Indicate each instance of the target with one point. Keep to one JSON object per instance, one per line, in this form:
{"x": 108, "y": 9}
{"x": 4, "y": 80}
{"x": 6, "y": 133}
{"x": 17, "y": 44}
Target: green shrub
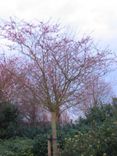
{"x": 16, "y": 147}
{"x": 97, "y": 135}
{"x": 40, "y": 145}
{"x": 9, "y": 118}
{"x": 95, "y": 143}
{"x": 31, "y": 131}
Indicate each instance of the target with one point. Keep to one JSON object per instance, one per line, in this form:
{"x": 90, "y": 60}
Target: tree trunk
{"x": 54, "y": 133}
{"x": 49, "y": 146}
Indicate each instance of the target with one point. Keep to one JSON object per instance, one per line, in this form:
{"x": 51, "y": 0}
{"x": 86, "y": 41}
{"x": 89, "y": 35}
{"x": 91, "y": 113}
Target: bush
{"x": 16, "y": 147}
{"x": 95, "y": 117}
{"x": 95, "y": 143}
{"x": 9, "y": 117}
{"x": 31, "y": 131}
{"x": 40, "y": 145}
{"x": 97, "y": 135}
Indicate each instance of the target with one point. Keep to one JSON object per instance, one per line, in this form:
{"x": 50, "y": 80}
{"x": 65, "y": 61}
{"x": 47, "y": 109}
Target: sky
{"x": 98, "y": 17}
{"x": 95, "y": 17}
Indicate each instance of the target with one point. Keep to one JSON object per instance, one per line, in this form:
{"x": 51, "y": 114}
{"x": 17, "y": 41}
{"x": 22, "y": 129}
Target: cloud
{"x": 97, "y": 16}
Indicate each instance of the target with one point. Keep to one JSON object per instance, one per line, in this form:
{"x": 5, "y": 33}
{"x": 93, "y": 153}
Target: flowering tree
{"x": 60, "y": 64}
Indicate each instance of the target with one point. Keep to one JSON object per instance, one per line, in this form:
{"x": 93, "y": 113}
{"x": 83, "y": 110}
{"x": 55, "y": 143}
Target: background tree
{"x": 60, "y": 64}
{"x": 96, "y": 91}
{"x": 27, "y": 101}
{"x": 7, "y": 81}
{"x": 9, "y": 118}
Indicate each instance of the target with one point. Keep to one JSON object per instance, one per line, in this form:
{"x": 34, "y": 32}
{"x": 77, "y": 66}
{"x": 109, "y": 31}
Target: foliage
{"x": 9, "y": 117}
{"x": 32, "y": 131}
{"x": 16, "y": 147}
{"x": 40, "y": 145}
{"x": 66, "y": 131}
{"x": 97, "y": 134}
{"x": 93, "y": 135}
{"x": 95, "y": 117}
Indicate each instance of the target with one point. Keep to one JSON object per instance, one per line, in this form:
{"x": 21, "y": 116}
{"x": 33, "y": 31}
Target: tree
{"x": 14, "y": 87}
{"x": 28, "y": 104}
{"x": 7, "y": 80}
{"x": 9, "y": 118}
{"x": 60, "y": 64}
{"x": 96, "y": 91}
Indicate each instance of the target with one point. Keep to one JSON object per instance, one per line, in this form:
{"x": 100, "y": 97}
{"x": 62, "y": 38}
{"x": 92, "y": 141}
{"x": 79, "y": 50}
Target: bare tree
{"x": 96, "y": 91}
{"x": 61, "y": 64}
{"x": 27, "y": 103}
{"x": 21, "y": 90}
{"x": 7, "y": 80}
